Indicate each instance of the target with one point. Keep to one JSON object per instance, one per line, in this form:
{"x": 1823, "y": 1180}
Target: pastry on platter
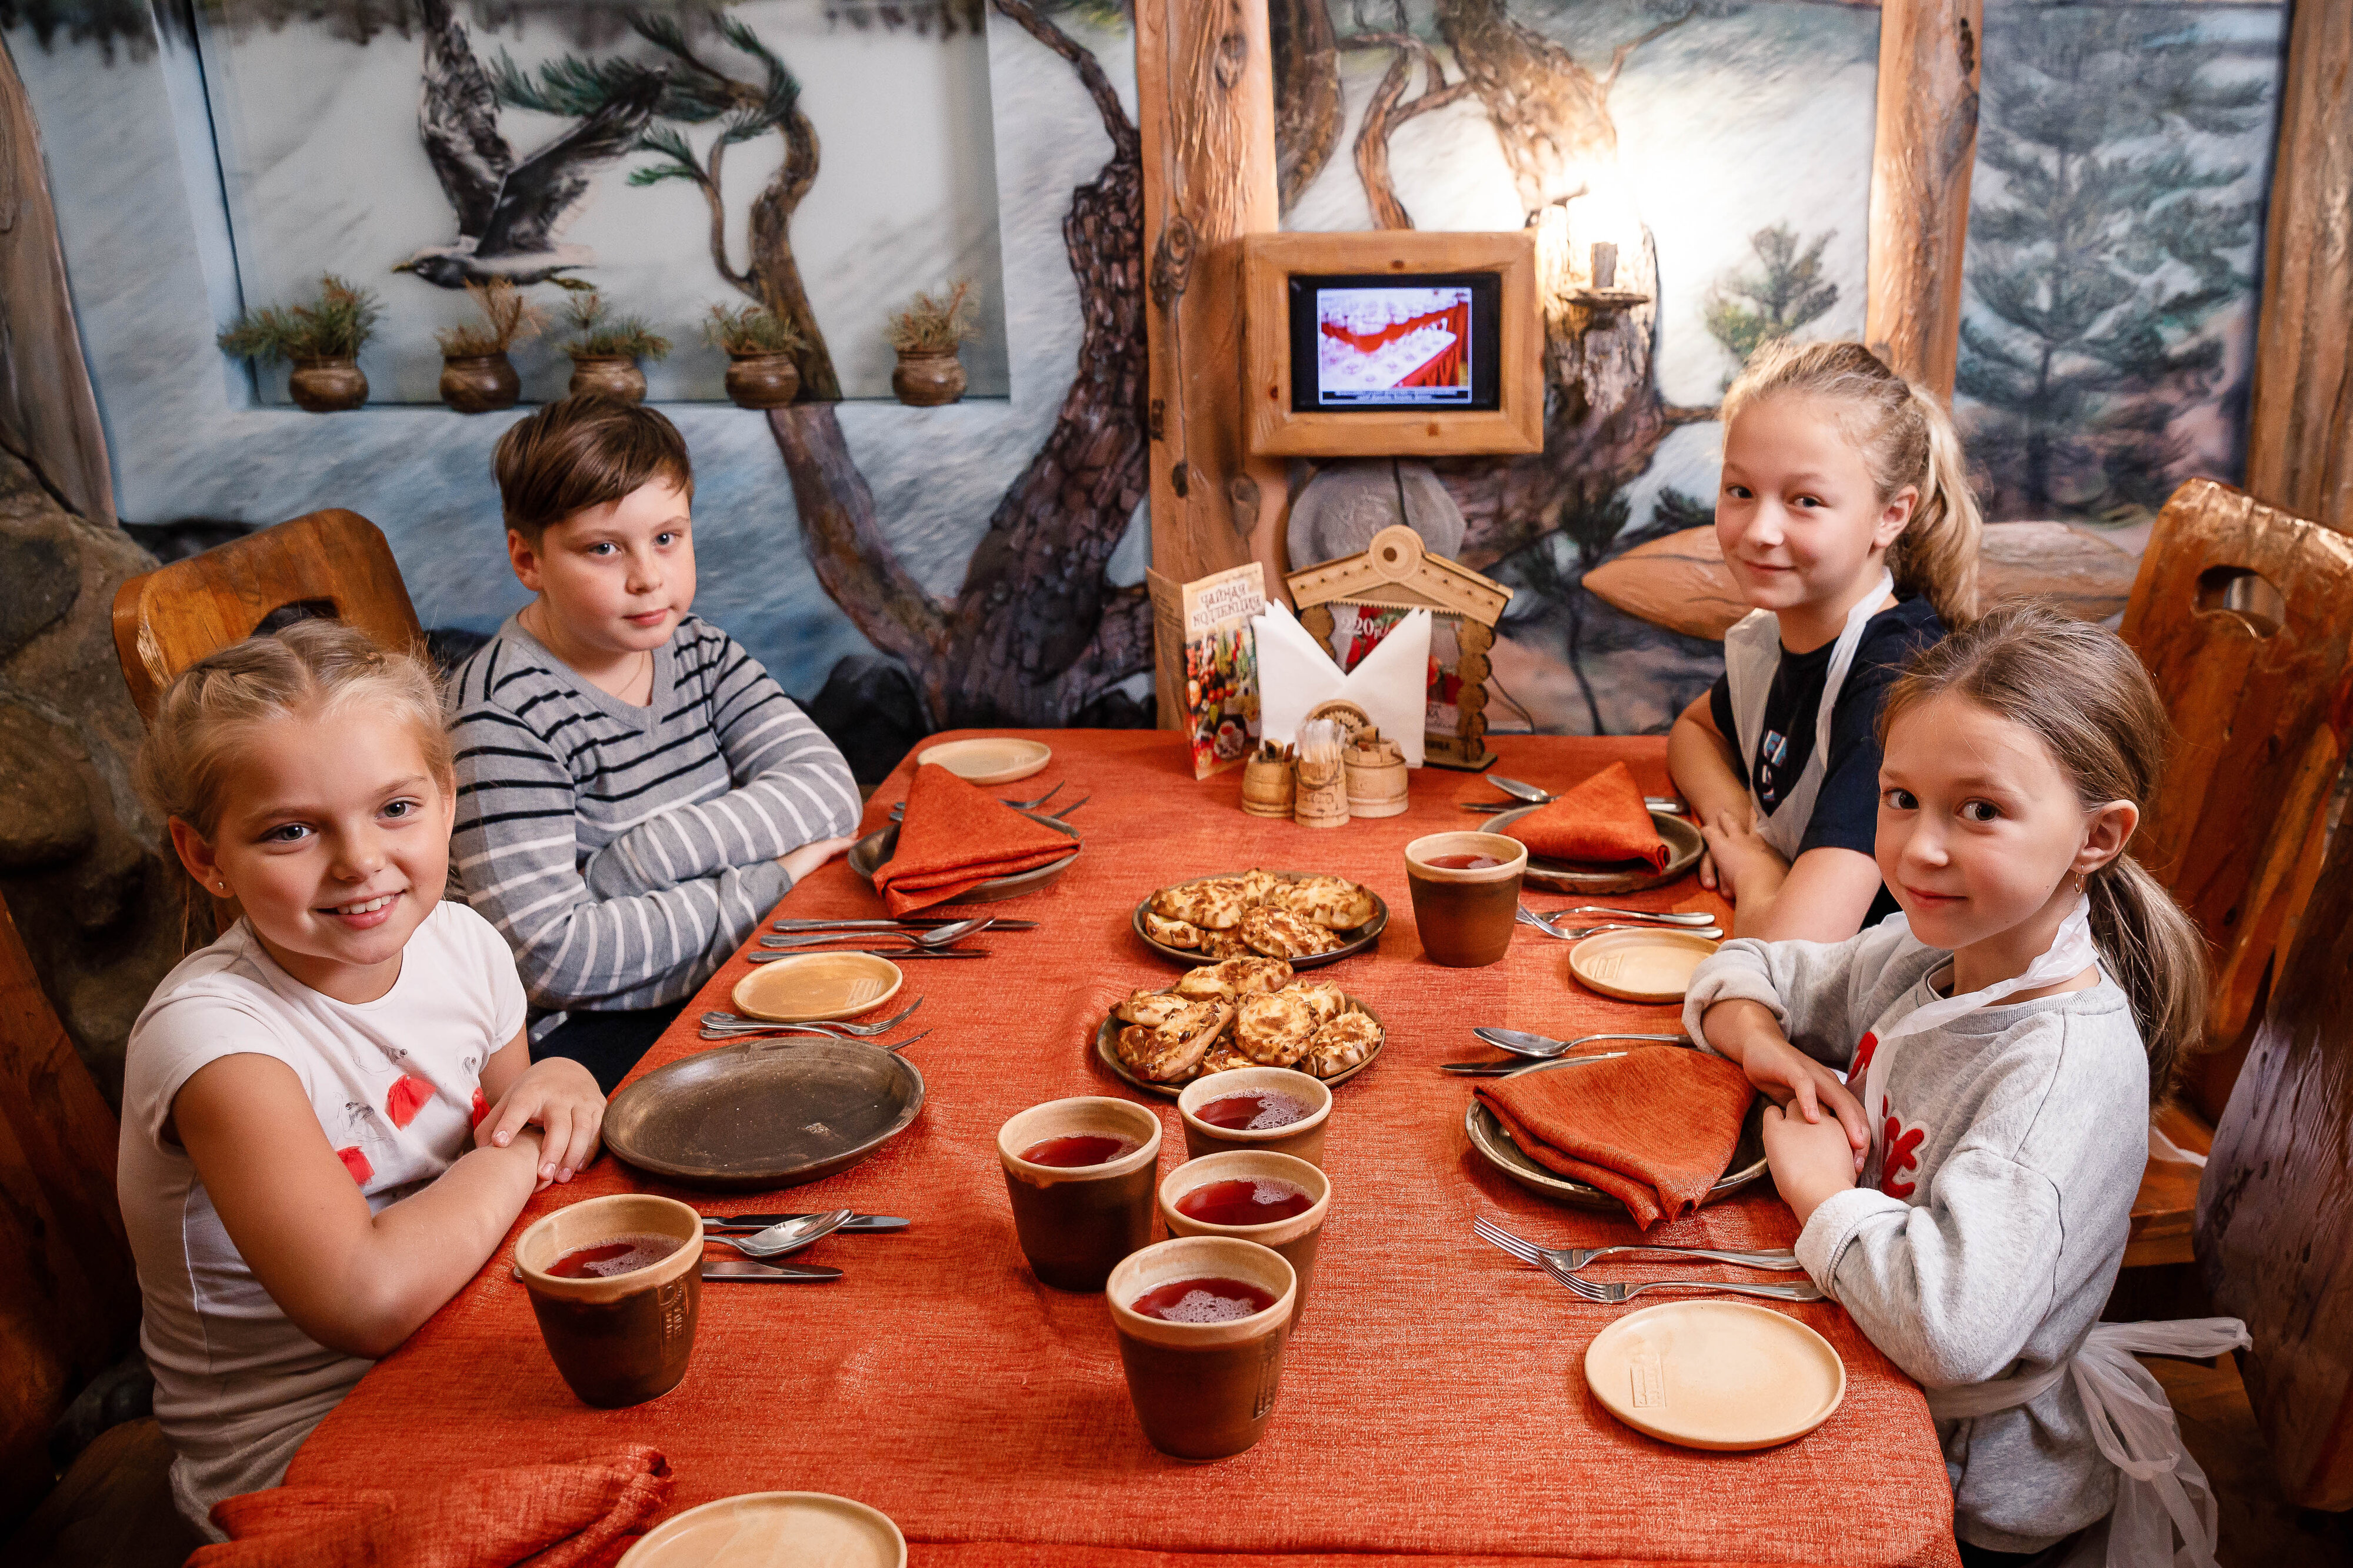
{"x": 1261, "y": 888}
{"x": 1213, "y": 1020}
{"x": 1323, "y": 998}
{"x": 1216, "y": 904}
{"x": 1224, "y": 944}
{"x": 1223, "y": 1058}
{"x": 1171, "y": 933}
{"x": 1206, "y": 983}
{"x": 1280, "y": 934}
{"x": 1333, "y": 902}
{"x": 1340, "y": 1045}
{"x": 1253, "y": 975}
{"x": 1174, "y": 1050}
{"x": 1274, "y": 1030}
{"x": 1210, "y": 917}
{"x": 1152, "y": 1008}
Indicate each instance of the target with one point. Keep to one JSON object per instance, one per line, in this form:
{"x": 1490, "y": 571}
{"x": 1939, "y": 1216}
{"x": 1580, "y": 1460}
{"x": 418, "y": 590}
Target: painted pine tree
{"x": 1745, "y": 311}
{"x": 2101, "y": 257}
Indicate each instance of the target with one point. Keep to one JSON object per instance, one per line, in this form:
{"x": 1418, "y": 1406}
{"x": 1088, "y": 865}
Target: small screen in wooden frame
{"x": 1374, "y": 342}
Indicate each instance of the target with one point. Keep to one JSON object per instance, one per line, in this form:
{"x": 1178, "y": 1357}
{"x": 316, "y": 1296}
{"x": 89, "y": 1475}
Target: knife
{"x": 771, "y": 1273}
{"x": 763, "y": 1220}
{"x": 910, "y": 923}
{"x": 1506, "y": 1070}
{"x": 893, "y": 953}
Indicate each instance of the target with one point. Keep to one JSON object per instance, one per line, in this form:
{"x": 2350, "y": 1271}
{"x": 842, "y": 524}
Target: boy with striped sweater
{"x": 634, "y": 792}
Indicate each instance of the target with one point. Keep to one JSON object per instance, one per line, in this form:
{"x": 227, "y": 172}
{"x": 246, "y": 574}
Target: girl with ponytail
{"x": 1845, "y": 517}
{"x": 1988, "y": 1059}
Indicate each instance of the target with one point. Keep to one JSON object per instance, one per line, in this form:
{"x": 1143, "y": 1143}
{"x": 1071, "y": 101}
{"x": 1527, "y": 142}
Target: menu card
{"x": 1221, "y": 666}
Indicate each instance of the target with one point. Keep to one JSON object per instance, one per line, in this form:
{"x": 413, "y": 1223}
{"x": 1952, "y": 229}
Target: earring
{"x": 2079, "y": 881}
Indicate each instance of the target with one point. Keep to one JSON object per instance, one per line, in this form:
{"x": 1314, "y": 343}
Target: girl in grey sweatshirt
{"x": 1965, "y": 1189}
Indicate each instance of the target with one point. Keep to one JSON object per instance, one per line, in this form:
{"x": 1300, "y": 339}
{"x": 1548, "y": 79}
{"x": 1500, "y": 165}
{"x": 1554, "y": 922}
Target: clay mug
{"x": 1075, "y": 1222}
{"x": 1465, "y": 916}
{"x": 622, "y": 1339}
{"x": 1302, "y": 1138}
{"x": 1296, "y": 1237}
{"x": 1203, "y": 1390}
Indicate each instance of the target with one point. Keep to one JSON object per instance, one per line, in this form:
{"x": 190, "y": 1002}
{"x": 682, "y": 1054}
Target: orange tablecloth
{"x": 1434, "y": 1407}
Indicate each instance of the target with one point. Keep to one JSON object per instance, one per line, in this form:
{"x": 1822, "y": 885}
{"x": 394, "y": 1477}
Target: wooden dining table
{"x": 1435, "y": 1405}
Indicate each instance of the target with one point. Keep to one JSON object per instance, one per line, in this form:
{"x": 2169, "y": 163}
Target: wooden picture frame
{"x": 1397, "y": 573}
{"x": 1275, "y": 429}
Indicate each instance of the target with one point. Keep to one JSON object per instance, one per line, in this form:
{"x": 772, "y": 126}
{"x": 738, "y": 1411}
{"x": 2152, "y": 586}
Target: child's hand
{"x": 1803, "y": 1088}
{"x": 812, "y": 855}
{"x": 1746, "y": 866}
{"x": 1811, "y": 1159}
{"x": 559, "y": 1096}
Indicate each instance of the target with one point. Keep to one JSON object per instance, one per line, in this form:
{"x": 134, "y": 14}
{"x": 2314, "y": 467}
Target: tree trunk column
{"x": 1205, "y": 100}
{"x": 2297, "y": 441}
{"x": 1929, "y": 52}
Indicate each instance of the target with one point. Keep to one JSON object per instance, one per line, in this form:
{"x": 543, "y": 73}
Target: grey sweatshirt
{"x": 2017, "y": 1136}
{"x": 626, "y": 852}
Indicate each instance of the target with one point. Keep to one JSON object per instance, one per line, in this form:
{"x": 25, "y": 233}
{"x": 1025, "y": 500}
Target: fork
{"x": 1616, "y": 1293}
{"x": 939, "y": 936}
{"x": 899, "y": 808}
{"x": 716, "y": 1020}
{"x": 1573, "y": 1258}
{"x": 782, "y": 1035}
{"x": 1579, "y": 934}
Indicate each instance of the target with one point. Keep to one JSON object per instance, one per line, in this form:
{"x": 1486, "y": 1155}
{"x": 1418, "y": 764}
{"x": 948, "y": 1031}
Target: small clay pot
{"x": 477, "y": 383}
{"x": 622, "y": 1339}
{"x": 1076, "y": 1222}
{"x": 612, "y": 374}
{"x": 328, "y": 385}
{"x": 762, "y": 379}
{"x": 928, "y": 380}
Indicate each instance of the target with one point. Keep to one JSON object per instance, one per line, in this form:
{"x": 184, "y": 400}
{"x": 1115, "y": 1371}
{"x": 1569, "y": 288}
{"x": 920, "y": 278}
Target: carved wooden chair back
{"x": 68, "y": 1294}
{"x": 2240, "y": 613}
{"x": 332, "y": 564}
{"x": 2274, "y": 1220}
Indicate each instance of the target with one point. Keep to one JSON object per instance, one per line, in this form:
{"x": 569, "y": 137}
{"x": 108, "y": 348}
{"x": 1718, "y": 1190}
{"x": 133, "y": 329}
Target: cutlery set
{"x": 915, "y": 937}
{"x": 718, "y": 1026}
{"x": 1564, "y": 1266}
{"x": 1697, "y": 924}
{"x": 899, "y": 808}
{"x": 762, "y": 1238}
{"x": 1529, "y": 795}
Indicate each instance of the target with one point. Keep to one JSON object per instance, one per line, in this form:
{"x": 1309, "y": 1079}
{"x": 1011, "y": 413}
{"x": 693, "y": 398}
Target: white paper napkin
{"x": 1295, "y": 672}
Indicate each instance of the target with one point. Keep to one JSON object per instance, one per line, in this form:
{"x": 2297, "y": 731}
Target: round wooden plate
{"x": 1496, "y": 1146}
{"x": 1723, "y": 1375}
{"x": 808, "y": 986}
{"x": 871, "y": 853}
{"x": 1110, "y": 1027}
{"x": 1650, "y": 965}
{"x": 773, "y": 1529}
{"x": 1685, "y": 846}
{"x": 988, "y": 759}
{"x": 1365, "y": 935}
{"x": 763, "y": 1113}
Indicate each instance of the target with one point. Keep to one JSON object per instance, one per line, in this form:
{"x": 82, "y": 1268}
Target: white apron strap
{"x": 1752, "y": 652}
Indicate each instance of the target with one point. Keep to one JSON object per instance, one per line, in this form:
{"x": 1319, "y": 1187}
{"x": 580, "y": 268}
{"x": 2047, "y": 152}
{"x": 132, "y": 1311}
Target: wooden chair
{"x": 2274, "y": 1220}
{"x": 332, "y": 562}
{"x": 68, "y": 1294}
{"x": 2241, "y": 614}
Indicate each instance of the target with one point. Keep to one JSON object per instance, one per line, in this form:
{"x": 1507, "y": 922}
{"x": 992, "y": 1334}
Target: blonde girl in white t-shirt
{"x": 330, "y": 1118}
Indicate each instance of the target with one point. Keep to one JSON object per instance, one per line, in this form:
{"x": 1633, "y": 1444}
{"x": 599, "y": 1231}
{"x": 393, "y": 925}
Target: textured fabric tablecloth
{"x": 1435, "y": 1406}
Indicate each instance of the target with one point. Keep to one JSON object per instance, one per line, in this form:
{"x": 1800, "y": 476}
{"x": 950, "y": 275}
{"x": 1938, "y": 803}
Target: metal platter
{"x": 1361, "y": 936}
{"x": 871, "y": 853}
{"x": 1685, "y": 846}
{"x": 1110, "y": 1027}
{"x": 763, "y": 1113}
{"x": 1496, "y": 1146}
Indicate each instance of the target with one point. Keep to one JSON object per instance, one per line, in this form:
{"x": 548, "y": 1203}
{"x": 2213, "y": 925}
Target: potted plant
{"x": 476, "y": 374}
{"x": 606, "y": 353}
{"x": 322, "y": 338}
{"x": 926, "y": 335}
{"x": 759, "y": 345}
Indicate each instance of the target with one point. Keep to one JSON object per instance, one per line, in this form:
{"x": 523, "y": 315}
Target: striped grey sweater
{"x": 625, "y": 852}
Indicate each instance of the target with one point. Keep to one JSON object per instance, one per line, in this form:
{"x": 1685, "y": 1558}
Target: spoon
{"x": 1578, "y": 933}
{"x": 1528, "y": 1044}
{"x": 1663, "y": 917}
{"x": 790, "y": 1236}
{"x": 1521, "y": 790}
{"x": 938, "y": 937}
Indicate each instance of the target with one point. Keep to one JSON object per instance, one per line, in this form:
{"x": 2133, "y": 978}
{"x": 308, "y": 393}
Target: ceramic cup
{"x": 1203, "y": 1390}
{"x": 624, "y": 1339}
{"x": 1302, "y": 1138}
{"x": 1465, "y": 917}
{"x": 1296, "y": 1237}
{"x": 1076, "y": 1221}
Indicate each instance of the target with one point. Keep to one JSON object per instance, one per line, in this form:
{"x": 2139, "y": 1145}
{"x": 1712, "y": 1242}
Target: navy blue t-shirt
{"x": 1846, "y": 808}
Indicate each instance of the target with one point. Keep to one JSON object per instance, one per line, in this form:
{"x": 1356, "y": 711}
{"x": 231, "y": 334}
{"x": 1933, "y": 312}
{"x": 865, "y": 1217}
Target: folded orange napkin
{"x": 1654, "y": 1127}
{"x": 956, "y": 836}
{"x": 579, "y": 1515}
{"x": 1601, "y": 819}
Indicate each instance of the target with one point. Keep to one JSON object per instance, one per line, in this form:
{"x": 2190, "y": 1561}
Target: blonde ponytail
{"x": 2082, "y": 691}
{"x": 1905, "y": 438}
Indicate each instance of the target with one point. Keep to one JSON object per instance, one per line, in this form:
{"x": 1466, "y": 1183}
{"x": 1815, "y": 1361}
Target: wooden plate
{"x": 1495, "y": 1145}
{"x": 809, "y": 986}
{"x": 773, "y": 1529}
{"x": 1365, "y": 935}
{"x": 989, "y": 760}
{"x": 871, "y": 853}
{"x": 1685, "y": 846}
{"x": 763, "y": 1113}
{"x": 1110, "y": 1027}
{"x": 1652, "y": 966}
{"x": 1715, "y": 1374}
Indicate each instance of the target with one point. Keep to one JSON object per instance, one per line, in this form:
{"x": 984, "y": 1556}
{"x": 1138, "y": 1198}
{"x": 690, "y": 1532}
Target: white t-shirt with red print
{"x": 397, "y": 1084}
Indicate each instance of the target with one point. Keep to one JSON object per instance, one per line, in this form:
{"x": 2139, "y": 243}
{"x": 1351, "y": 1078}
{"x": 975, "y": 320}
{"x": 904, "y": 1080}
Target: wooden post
{"x": 2299, "y": 457}
{"x": 1921, "y": 161}
{"x": 1204, "y": 101}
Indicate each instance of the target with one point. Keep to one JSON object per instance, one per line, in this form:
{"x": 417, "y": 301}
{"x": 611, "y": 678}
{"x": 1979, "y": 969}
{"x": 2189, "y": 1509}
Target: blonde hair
{"x": 2086, "y": 696}
{"x": 1905, "y": 438}
{"x": 309, "y": 669}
